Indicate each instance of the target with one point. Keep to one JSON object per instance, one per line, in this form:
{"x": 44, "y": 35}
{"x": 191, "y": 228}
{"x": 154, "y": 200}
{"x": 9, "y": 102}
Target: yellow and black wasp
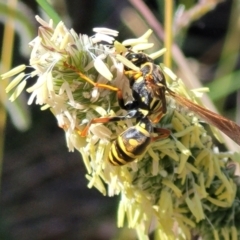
{"x": 149, "y": 91}
{"x": 155, "y": 83}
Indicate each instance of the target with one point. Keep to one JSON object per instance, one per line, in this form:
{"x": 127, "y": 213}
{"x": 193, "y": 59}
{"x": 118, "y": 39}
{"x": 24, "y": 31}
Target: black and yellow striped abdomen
{"x": 131, "y": 143}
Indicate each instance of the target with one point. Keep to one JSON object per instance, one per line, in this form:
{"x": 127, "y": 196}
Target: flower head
{"x": 180, "y": 183}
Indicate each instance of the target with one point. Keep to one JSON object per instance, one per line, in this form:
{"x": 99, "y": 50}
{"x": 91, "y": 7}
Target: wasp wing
{"x": 230, "y": 128}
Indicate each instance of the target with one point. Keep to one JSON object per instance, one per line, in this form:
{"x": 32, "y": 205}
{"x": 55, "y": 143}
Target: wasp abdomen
{"x": 131, "y": 144}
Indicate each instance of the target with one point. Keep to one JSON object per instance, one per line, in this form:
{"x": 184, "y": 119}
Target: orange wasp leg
{"x": 158, "y": 118}
{"x": 84, "y": 132}
{"x": 87, "y": 79}
{"x": 162, "y": 133}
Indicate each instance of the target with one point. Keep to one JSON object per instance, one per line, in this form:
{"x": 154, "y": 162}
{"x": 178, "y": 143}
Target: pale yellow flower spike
{"x": 180, "y": 183}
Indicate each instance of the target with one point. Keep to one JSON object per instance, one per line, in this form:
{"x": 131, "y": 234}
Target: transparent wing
{"x": 230, "y": 128}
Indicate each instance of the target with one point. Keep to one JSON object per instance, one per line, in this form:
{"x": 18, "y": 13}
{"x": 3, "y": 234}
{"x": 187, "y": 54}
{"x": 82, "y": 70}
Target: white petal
{"x": 198, "y": 92}
{"x": 18, "y": 90}
{"x": 89, "y": 66}
{"x": 43, "y": 23}
{"x": 14, "y": 71}
{"x": 95, "y": 93}
{"x": 34, "y": 73}
{"x": 158, "y": 53}
{"x": 127, "y": 63}
{"x": 103, "y": 37}
{"x": 169, "y": 72}
{"x": 77, "y": 141}
{"x": 133, "y": 41}
{"x": 107, "y": 31}
{"x": 44, "y": 107}
{"x": 41, "y": 80}
{"x": 31, "y": 98}
{"x": 147, "y": 34}
{"x": 142, "y": 46}
{"x": 57, "y": 31}
{"x": 101, "y": 131}
{"x": 15, "y": 82}
{"x": 77, "y": 105}
{"x": 65, "y": 41}
{"x": 119, "y": 47}
{"x": 68, "y": 91}
{"x": 42, "y": 94}
{"x": 100, "y": 110}
{"x": 102, "y": 68}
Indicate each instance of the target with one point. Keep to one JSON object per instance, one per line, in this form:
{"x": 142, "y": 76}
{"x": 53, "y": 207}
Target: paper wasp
{"x": 149, "y": 91}
{"x": 152, "y": 77}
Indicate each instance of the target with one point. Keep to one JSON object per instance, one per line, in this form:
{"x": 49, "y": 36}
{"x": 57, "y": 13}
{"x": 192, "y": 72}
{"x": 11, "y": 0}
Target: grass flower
{"x": 181, "y": 185}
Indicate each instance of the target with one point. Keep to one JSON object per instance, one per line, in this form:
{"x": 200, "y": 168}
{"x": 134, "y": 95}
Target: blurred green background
{"x": 43, "y": 188}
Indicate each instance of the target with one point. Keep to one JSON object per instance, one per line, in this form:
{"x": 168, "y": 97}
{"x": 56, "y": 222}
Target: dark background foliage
{"x": 44, "y": 193}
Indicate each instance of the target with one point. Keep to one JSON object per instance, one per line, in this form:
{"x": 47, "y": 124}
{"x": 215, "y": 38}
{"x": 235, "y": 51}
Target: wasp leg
{"x": 105, "y": 86}
{"x": 131, "y": 114}
{"x": 158, "y": 117}
{"x": 161, "y": 133}
{"x": 133, "y": 74}
{"x": 128, "y": 106}
{"x": 87, "y": 79}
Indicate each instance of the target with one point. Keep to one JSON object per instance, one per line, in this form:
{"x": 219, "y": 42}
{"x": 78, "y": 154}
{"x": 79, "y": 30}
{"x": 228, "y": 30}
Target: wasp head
{"x": 138, "y": 58}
